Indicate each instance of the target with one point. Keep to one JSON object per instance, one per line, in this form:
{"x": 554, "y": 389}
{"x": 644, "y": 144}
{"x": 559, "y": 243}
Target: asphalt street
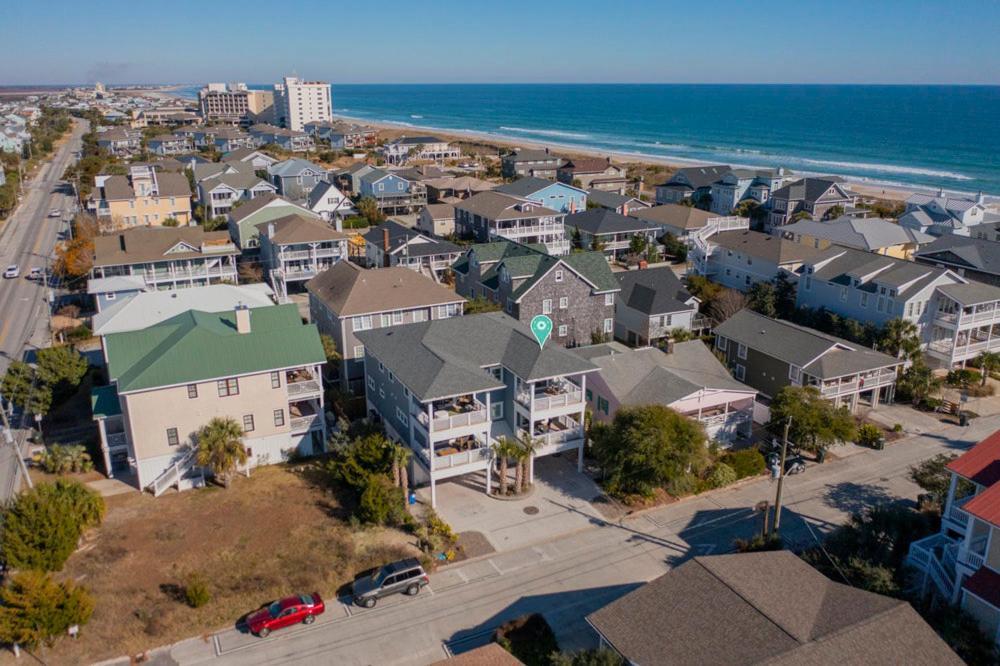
{"x": 568, "y": 577}
{"x": 27, "y": 239}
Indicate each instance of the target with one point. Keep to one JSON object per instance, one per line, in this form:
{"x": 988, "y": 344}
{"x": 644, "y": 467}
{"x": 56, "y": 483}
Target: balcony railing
{"x": 445, "y": 420}
{"x": 309, "y": 254}
{"x": 723, "y": 419}
{"x": 161, "y": 274}
{"x": 957, "y": 514}
{"x": 881, "y": 379}
{"x": 305, "y": 388}
{"x": 560, "y": 436}
{"x": 531, "y": 230}
{"x": 967, "y": 317}
{"x": 117, "y": 439}
{"x": 560, "y": 396}
{"x": 963, "y": 349}
{"x": 306, "y": 423}
{"x": 447, "y": 461}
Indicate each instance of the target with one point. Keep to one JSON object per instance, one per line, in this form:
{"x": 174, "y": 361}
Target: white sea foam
{"x": 568, "y": 135}
{"x": 414, "y": 115}
{"x": 888, "y": 168}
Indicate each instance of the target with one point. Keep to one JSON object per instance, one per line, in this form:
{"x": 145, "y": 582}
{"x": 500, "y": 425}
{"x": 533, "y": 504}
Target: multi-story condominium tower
{"x": 298, "y": 102}
{"x": 235, "y": 103}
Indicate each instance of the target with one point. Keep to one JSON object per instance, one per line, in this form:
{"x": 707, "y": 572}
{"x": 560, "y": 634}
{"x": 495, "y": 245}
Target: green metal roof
{"x": 104, "y": 401}
{"x": 198, "y": 346}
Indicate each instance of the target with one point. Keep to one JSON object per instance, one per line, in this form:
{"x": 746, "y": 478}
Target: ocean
{"x": 915, "y": 136}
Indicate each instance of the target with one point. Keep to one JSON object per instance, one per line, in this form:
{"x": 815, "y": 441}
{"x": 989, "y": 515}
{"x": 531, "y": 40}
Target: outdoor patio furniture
{"x": 445, "y": 451}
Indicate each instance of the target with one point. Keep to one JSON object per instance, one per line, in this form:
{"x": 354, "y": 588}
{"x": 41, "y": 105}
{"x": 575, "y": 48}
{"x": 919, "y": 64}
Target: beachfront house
{"x": 692, "y": 183}
{"x": 593, "y": 173}
{"x": 449, "y": 388}
{"x": 942, "y": 214}
{"x": 739, "y": 185}
{"x": 410, "y": 148}
{"x": 809, "y": 198}
{"x": 527, "y": 162}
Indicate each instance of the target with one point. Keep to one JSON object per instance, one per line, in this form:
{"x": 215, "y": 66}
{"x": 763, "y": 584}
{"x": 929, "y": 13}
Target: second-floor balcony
{"x": 459, "y": 452}
{"x": 965, "y": 345}
{"x": 550, "y": 395}
{"x": 521, "y": 230}
{"x": 453, "y": 413}
{"x": 303, "y": 383}
{"x": 167, "y": 274}
{"x": 864, "y": 382}
{"x": 288, "y": 255}
{"x": 979, "y": 314}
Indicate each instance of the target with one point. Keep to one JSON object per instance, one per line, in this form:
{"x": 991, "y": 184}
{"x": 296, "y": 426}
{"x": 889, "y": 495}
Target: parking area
{"x": 561, "y": 503}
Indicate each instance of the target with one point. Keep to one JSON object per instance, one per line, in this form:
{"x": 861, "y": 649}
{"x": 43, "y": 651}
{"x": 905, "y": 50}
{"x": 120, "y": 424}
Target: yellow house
{"x": 146, "y": 197}
{"x": 872, "y": 234}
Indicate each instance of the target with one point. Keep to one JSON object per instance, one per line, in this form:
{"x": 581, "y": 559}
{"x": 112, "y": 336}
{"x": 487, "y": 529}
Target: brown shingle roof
{"x": 346, "y": 289}
{"x": 674, "y": 215}
{"x": 765, "y": 246}
{"x": 144, "y": 244}
{"x": 496, "y": 206}
{"x": 299, "y": 229}
{"x": 118, "y": 188}
{"x": 586, "y": 165}
{"x": 768, "y": 607}
{"x": 490, "y": 654}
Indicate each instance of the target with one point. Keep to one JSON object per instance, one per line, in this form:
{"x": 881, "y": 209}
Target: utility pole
{"x": 781, "y": 480}
{"x": 8, "y": 436}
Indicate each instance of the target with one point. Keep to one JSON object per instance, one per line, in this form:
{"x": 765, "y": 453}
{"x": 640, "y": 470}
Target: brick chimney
{"x": 242, "y": 319}
{"x": 385, "y": 246}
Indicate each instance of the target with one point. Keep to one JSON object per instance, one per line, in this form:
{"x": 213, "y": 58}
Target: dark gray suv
{"x": 406, "y": 576}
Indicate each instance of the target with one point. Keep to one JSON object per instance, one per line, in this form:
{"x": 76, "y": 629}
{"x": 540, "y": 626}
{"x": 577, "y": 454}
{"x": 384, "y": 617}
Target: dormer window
{"x": 559, "y": 275}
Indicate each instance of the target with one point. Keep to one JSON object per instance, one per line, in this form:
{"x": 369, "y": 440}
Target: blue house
{"x": 554, "y": 195}
{"x": 393, "y": 193}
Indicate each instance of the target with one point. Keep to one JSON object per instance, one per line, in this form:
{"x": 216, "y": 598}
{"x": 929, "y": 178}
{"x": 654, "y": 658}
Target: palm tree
{"x": 526, "y": 445}
{"x": 988, "y": 362}
{"x": 400, "y": 457}
{"x": 220, "y": 448}
{"x": 900, "y": 338}
{"x": 504, "y": 448}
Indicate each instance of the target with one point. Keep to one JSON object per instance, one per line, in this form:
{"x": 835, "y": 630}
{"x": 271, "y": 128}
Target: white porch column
{"x": 951, "y": 494}
{"x": 531, "y": 468}
{"x": 107, "y": 454}
{"x": 433, "y": 490}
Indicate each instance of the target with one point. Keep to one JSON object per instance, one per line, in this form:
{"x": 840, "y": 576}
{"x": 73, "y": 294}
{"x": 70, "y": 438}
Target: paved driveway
{"x": 559, "y": 505}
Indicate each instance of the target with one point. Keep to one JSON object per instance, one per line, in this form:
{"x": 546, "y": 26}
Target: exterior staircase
{"x": 701, "y": 247}
{"x": 172, "y": 475}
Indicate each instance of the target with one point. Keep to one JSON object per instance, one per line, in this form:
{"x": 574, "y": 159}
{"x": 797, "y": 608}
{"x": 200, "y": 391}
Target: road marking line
{"x": 3, "y": 331}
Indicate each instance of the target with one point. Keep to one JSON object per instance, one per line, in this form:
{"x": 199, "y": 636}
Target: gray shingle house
{"x": 763, "y": 608}
{"x": 812, "y": 196}
{"x": 577, "y": 291}
{"x": 690, "y": 183}
{"x": 296, "y": 178}
{"x": 449, "y": 388}
{"x": 529, "y": 162}
{"x": 393, "y": 244}
{"x": 652, "y": 303}
{"x": 769, "y": 354}
{"x": 973, "y": 258}
{"x": 611, "y": 232}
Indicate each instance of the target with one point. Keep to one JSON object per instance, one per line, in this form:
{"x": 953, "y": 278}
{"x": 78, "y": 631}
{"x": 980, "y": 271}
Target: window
{"x": 392, "y": 378}
{"x": 192, "y": 391}
{"x": 590, "y": 395}
{"x": 371, "y": 382}
{"x": 497, "y": 373}
{"x": 863, "y": 300}
{"x": 563, "y": 330}
{"x": 667, "y": 320}
{"x": 361, "y": 323}
{"x": 559, "y": 275}
{"x": 275, "y": 380}
{"x": 110, "y": 296}
{"x": 741, "y": 350}
{"x": 609, "y": 299}
{"x": 397, "y": 317}
{"x": 419, "y": 315}
{"x": 401, "y": 416}
{"x": 843, "y": 294}
{"x": 172, "y": 439}
{"x": 406, "y": 392}
{"x": 795, "y": 373}
{"x": 602, "y": 404}
{"x": 248, "y": 423}
{"x": 563, "y": 303}
{"x": 609, "y": 325}
{"x": 381, "y": 368}
{"x": 228, "y": 387}
{"x": 721, "y": 343}
{"x": 359, "y": 351}
{"x": 279, "y": 418}
{"x": 445, "y": 311}
{"x": 547, "y": 306}
{"x": 809, "y": 283}
{"x": 385, "y": 320}
{"x": 381, "y": 393}
{"x": 909, "y": 309}
{"x": 496, "y": 410}
{"x": 740, "y": 372}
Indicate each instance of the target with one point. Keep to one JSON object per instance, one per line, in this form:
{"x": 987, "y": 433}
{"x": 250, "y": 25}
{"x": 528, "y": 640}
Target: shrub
{"x": 745, "y": 462}
{"x": 722, "y": 475}
{"x": 869, "y": 435}
{"x": 36, "y": 610}
{"x": 69, "y": 459}
{"x": 196, "y": 592}
{"x": 42, "y": 526}
{"x": 897, "y": 427}
{"x": 598, "y": 657}
{"x": 962, "y": 376}
{"x": 759, "y": 543}
{"x": 529, "y": 638}
{"x": 381, "y": 503}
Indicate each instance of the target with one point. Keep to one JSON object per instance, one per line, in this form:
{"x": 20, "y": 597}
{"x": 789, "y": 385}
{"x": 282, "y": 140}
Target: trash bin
{"x": 880, "y": 444}
{"x": 963, "y": 419}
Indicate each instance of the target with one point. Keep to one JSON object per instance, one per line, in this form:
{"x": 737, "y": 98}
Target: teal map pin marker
{"x": 541, "y": 328}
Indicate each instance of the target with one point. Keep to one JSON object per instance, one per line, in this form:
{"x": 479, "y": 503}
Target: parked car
{"x": 55, "y": 212}
{"x": 406, "y": 576}
{"x": 35, "y": 273}
{"x": 300, "y": 608}
{"x": 12, "y": 271}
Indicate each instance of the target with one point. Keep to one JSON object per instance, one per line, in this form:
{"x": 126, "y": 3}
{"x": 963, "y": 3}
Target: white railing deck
{"x": 173, "y": 474}
{"x": 117, "y": 439}
{"x": 543, "y": 401}
{"x": 442, "y": 423}
{"x": 304, "y": 387}
{"x": 305, "y": 423}
{"x": 477, "y": 455}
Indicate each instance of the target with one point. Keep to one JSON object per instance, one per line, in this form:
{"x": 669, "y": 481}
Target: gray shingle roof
{"x": 527, "y": 186}
{"x": 870, "y": 233}
{"x": 765, "y": 246}
{"x": 972, "y": 293}
{"x": 447, "y": 357}
{"x": 700, "y": 176}
{"x": 653, "y": 291}
{"x": 840, "y": 265}
{"x": 399, "y": 235}
{"x": 347, "y": 290}
{"x": 613, "y": 200}
{"x": 495, "y": 205}
{"x": 531, "y": 155}
{"x": 293, "y": 167}
{"x": 769, "y": 607}
{"x": 674, "y": 215}
{"x": 648, "y": 376}
{"x": 821, "y": 355}
{"x": 805, "y": 189}
{"x": 964, "y": 252}
{"x": 599, "y": 221}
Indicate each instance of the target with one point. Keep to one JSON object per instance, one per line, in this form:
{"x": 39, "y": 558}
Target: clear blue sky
{"x": 766, "y": 41}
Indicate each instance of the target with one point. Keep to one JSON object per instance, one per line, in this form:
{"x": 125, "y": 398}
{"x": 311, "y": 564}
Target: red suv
{"x": 288, "y": 611}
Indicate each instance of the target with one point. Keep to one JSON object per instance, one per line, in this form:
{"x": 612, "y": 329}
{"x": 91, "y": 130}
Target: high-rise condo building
{"x": 235, "y": 103}
{"x": 298, "y": 102}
